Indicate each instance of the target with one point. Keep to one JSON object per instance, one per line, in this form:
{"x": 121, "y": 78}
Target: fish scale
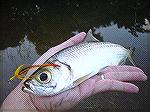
{"x": 83, "y": 48}
{"x": 83, "y": 57}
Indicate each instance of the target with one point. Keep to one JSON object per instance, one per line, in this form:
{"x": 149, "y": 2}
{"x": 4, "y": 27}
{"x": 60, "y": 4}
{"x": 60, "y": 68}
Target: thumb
{"x": 73, "y": 40}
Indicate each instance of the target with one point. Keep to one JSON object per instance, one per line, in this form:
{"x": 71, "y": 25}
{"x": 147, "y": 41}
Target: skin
{"x": 116, "y": 79}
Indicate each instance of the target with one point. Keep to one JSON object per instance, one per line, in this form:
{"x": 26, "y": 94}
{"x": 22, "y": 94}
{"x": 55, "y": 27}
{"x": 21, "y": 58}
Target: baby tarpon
{"x": 75, "y": 64}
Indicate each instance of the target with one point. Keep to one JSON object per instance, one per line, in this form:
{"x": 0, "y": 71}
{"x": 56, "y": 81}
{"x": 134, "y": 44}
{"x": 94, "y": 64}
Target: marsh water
{"x": 30, "y": 27}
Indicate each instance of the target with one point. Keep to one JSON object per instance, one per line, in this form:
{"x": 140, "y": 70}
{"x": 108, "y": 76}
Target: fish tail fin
{"x": 130, "y": 53}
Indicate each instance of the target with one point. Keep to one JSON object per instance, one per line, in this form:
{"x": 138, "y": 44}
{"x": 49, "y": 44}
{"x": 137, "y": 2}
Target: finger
{"x": 122, "y": 68}
{"x": 113, "y": 85}
{"x": 93, "y": 86}
{"x": 126, "y": 76}
{"x": 123, "y": 73}
{"x": 74, "y": 40}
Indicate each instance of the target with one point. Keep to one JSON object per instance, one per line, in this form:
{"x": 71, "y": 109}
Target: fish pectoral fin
{"x": 80, "y": 80}
{"x": 90, "y": 38}
{"x": 77, "y": 82}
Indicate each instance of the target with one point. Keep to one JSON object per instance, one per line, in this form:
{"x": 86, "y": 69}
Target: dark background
{"x": 30, "y": 27}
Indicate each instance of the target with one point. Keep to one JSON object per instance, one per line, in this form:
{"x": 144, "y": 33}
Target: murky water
{"x": 30, "y": 28}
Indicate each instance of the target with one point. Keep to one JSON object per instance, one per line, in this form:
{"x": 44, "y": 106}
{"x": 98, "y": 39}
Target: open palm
{"x": 116, "y": 78}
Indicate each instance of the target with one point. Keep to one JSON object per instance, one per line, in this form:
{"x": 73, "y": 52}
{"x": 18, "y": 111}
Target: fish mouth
{"x": 26, "y": 88}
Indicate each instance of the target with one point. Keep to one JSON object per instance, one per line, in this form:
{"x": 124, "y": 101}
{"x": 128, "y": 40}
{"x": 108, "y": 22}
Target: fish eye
{"x": 45, "y": 77}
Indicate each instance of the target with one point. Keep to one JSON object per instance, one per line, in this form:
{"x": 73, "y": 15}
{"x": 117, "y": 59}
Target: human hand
{"x": 116, "y": 78}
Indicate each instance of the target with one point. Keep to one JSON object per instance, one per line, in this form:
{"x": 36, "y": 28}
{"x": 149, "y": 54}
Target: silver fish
{"x": 75, "y": 65}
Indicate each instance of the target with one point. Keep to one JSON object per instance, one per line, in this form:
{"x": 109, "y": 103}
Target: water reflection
{"x": 10, "y": 59}
{"x": 45, "y": 22}
{"x": 121, "y": 36}
{"x": 28, "y": 28}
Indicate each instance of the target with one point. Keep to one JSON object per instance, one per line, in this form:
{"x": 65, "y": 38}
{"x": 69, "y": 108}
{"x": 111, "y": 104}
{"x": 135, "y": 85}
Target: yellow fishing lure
{"x": 19, "y": 73}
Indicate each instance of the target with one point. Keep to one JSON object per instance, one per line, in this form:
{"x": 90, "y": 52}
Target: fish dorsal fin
{"x": 130, "y": 53}
{"x": 90, "y": 38}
